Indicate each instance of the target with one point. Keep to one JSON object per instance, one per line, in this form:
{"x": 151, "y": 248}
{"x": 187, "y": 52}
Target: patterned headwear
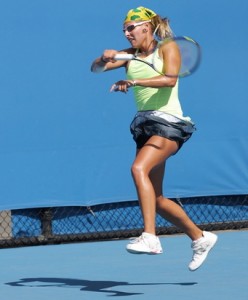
{"x": 139, "y": 14}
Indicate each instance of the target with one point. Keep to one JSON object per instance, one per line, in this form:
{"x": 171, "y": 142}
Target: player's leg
{"x": 170, "y": 210}
{"x": 153, "y": 153}
{"x": 202, "y": 241}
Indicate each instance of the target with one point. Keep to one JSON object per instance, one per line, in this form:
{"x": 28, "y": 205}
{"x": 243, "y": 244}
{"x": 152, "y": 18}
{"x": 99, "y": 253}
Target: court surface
{"x": 104, "y": 270}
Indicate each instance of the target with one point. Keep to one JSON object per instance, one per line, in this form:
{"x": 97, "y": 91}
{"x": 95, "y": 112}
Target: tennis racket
{"x": 190, "y": 52}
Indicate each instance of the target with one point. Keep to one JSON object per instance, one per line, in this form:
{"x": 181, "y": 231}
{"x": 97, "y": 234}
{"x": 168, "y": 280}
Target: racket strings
{"x": 190, "y": 56}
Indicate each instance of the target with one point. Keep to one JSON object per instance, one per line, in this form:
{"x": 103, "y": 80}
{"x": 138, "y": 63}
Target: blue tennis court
{"x": 100, "y": 270}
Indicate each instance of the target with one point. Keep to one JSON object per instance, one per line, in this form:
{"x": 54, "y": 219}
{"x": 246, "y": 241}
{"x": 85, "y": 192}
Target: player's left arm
{"x": 170, "y": 54}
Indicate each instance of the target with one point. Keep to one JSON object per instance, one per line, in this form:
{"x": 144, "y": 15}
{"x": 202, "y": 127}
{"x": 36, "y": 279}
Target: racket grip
{"x": 123, "y": 56}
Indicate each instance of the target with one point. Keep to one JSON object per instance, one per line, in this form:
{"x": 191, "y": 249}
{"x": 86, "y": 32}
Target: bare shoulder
{"x": 168, "y": 47}
{"x": 168, "y": 44}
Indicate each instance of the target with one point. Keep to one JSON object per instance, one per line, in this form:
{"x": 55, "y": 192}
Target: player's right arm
{"x": 107, "y": 62}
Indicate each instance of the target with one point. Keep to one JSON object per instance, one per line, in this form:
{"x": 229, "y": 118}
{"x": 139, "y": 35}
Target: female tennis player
{"x": 159, "y": 127}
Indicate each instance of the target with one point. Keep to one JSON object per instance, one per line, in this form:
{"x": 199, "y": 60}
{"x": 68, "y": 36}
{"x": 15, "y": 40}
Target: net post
{"x": 46, "y": 217}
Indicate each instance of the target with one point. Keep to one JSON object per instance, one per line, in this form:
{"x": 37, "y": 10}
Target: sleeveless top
{"x": 163, "y": 99}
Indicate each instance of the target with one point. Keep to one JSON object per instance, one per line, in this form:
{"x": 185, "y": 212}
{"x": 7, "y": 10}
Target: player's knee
{"x": 137, "y": 171}
{"x": 160, "y": 203}
{"x": 159, "y": 200}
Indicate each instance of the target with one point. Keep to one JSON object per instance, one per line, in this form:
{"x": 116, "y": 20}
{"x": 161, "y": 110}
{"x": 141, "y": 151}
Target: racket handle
{"x": 124, "y": 56}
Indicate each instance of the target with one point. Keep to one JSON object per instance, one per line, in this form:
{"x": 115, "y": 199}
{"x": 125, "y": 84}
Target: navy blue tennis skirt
{"x": 147, "y": 124}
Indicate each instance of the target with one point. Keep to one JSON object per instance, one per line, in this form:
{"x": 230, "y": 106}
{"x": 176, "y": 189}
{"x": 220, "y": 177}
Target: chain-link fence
{"x": 53, "y": 225}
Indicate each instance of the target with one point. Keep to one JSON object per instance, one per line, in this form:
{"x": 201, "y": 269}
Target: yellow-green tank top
{"x": 162, "y": 99}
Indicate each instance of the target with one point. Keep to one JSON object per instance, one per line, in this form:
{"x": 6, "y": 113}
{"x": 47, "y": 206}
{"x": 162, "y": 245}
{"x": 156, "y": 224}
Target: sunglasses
{"x": 131, "y": 27}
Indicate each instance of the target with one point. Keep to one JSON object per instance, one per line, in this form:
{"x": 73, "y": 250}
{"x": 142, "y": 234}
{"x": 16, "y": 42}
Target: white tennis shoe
{"x": 201, "y": 248}
{"x": 146, "y": 243}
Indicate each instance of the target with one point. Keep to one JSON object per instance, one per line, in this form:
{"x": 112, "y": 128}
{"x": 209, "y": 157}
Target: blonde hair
{"x": 161, "y": 28}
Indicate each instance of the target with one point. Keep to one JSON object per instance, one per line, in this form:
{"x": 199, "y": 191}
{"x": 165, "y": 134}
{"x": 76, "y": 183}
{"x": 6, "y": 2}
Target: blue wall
{"x": 64, "y": 139}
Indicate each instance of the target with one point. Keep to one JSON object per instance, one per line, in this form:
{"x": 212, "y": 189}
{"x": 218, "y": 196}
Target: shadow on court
{"x": 88, "y": 285}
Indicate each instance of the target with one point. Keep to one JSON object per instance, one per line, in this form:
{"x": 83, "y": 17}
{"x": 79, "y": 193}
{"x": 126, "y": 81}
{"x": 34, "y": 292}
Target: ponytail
{"x": 161, "y": 28}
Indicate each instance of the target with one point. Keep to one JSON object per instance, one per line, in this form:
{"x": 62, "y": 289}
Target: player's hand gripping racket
{"x": 190, "y": 53}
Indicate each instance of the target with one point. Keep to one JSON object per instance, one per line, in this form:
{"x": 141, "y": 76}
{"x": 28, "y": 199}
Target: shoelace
{"x": 136, "y": 240}
{"x": 199, "y": 249}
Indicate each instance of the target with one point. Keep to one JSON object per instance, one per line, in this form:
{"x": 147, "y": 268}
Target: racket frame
{"x": 127, "y": 57}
